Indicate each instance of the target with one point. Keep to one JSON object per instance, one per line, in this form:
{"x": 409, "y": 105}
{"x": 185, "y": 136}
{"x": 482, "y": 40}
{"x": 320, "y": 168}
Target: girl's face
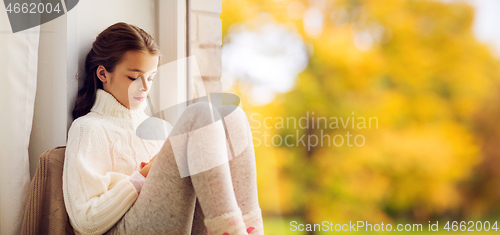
{"x": 132, "y": 78}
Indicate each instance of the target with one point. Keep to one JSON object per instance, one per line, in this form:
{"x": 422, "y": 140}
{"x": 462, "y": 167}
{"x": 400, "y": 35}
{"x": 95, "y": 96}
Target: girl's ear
{"x": 101, "y": 73}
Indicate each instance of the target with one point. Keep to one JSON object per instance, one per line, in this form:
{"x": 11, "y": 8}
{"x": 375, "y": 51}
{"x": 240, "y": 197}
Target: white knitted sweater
{"x": 102, "y": 152}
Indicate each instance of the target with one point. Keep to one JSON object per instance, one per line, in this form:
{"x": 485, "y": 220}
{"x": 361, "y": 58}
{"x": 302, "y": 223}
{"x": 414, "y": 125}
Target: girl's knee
{"x": 202, "y": 112}
{"x": 198, "y": 108}
{"x": 234, "y": 117}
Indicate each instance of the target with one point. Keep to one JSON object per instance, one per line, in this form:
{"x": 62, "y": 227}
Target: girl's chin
{"x": 135, "y": 104}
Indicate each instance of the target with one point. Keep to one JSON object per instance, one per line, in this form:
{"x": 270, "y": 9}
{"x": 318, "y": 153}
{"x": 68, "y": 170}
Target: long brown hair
{"x": 108, "y": 50}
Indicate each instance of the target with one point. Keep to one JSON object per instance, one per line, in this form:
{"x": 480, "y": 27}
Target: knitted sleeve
{"x": 137, "y": 180}
{"x": 95, "y": 200}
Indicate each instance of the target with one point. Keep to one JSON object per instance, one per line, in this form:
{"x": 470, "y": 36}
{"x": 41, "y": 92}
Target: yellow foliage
{"x": 424, "y": 86}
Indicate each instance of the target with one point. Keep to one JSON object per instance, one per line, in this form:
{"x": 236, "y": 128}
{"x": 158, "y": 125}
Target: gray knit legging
{"x": 167, "y": 201}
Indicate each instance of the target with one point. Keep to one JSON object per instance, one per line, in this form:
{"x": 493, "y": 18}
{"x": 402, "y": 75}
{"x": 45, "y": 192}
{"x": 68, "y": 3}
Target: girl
{"x": 108, "y": 191}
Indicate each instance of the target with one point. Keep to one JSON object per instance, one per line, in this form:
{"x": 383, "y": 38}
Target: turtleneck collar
{"x": 106, "y": 104}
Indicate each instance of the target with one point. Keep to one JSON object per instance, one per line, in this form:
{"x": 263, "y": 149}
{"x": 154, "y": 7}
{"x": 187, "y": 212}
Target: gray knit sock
{"x": 226, "y": 224}
{"x": 253, "y": 222}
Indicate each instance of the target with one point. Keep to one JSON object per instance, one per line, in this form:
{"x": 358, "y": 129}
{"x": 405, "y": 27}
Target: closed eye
{"x": 133, "y": 79}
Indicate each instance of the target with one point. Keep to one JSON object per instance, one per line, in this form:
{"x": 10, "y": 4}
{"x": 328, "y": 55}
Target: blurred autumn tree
{"x": 417, "y": 67}
{"x": 482, "y": 190}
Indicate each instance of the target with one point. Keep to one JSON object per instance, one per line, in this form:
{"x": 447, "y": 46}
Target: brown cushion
{"x": 45, "y": 211}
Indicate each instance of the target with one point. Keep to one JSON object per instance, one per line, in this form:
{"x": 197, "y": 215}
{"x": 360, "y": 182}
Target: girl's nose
{"x": 144, "y": 85}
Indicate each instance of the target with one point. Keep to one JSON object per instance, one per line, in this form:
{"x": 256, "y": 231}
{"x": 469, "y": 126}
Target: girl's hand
{"x": 145, "y": 167}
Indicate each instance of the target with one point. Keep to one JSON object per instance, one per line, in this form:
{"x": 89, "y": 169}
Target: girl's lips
{"x": 139, "y": 98}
